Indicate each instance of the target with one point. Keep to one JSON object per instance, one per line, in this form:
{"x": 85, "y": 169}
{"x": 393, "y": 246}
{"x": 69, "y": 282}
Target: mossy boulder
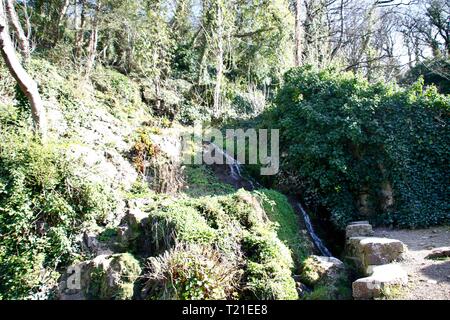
{"x": 103, "y": 278}
{"x": 269, "y": 266}
{"x": 328, "y": 276}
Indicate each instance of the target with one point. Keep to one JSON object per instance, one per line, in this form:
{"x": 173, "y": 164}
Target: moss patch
{"x": 280, "y": 211}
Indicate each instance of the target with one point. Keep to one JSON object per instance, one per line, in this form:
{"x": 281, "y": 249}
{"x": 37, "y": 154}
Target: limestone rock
{"x": 130, "y": 228}
{"x": 359, "y": 229}
{"x": 438, "y": 253}
{"x": 321, "y": 269}
{"x": 380, "y": 283}
{"x": 378, "y": 251}
{"x": 325, "y": 272}
{"x": 92, "y": 244}
{"x": 106, "y": 277}
{"x": 374, "y": 251}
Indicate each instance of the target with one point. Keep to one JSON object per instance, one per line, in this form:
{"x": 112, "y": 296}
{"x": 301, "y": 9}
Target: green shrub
{"x": 236, "y": 226}
{"x": 268, "y": 274}
{"x": 203, "y": 182}
{"x": 191, "y": 272}
{"x": 351, "y": 146}
{"x": 117, "y": 91}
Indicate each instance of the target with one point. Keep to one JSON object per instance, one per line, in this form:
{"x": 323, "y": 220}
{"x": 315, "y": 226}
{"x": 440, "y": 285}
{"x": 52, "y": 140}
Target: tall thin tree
{"x": 22, "y": 39}
{"x": 26, "y": 83}
{"x": 298, "y": 33}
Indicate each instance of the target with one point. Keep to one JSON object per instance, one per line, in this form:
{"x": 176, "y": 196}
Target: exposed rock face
{"x": 93, "y": 245}
{"x": 129, "y": 229}
{"x": 439, "y": 253}
{"x": 382, "y": 280}
{"x": 359, "y": 229}
{"x": 327, "y": 272}
{"x": 165, "y": 171}
{"x": 106, "y": 277}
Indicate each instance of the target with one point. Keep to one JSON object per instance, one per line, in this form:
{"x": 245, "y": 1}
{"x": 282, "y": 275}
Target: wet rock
{"x": 359, "y": 229}
{"x": 439, "y": 253}
{"x": 302, "y": 289}
{"x": 382, "y": 280}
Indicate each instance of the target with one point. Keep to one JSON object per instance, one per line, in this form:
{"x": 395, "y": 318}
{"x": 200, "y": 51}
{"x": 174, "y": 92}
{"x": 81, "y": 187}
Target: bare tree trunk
{"x": 298, "y": 34}
{"x": 27, "y": 17}
{"x": 219, "y": 63}
{"x": 25, "y": 82}
{"x": 202, "y": 62}
{"x": 60, "y": 19}
{"x": 79, "y": 37}
{"x": 22, "y": 40}
{"x": 92, "y": 51}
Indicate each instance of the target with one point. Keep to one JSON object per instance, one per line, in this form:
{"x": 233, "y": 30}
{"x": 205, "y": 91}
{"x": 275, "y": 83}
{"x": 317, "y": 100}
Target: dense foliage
{"x": 217, "y": 247}
{"x": 351, "y": 146}
{"x": 102, "y": 185}
{"x": 43, "y": 204}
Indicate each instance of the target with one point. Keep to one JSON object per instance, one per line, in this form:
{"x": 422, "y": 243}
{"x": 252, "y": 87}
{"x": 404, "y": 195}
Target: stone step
{"x": 382, "y": 280}
{"x": 359, "y": 229}
{"x": 375, "y": 251}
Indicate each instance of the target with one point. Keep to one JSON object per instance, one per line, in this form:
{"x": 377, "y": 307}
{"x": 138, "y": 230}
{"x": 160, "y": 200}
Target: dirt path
{"x": 428, "y": 279}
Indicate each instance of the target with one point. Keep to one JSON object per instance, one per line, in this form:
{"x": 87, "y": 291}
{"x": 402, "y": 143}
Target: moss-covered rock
{"x": 269, "y": 266}
{"x": 103, "y": 278}
{"x": 280, "y": 211}
{"x": 328, "y": 276}
{"x": 236, "y": 226}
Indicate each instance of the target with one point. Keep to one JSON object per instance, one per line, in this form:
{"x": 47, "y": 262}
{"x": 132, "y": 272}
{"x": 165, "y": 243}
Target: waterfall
{"x": 315, "y": 238}
{"x": 234, "y": 166}
{"x": 236, "y": 174}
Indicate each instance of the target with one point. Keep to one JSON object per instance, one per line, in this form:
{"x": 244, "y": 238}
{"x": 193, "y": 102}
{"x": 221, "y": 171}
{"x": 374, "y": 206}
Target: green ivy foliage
{"x": 344, "y": 137}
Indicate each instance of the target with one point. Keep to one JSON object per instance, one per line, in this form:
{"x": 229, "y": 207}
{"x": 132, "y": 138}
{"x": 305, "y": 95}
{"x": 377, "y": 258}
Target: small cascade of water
{"x": 316, "y": 240}
{"x": 234, "y": 165}
{"x": 236, "y": 174}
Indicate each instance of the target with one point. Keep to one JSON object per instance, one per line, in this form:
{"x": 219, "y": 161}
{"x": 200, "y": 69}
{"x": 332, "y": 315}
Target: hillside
{"x": 224, "y": 150}
{"x": 100, "y": 174}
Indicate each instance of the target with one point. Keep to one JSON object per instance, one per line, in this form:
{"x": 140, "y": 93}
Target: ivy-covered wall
{"x": 364, "y": 150}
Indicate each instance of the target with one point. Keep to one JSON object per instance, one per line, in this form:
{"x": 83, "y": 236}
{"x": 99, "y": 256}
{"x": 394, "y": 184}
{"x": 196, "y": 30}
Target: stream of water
{"x": 236, "y": 174}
